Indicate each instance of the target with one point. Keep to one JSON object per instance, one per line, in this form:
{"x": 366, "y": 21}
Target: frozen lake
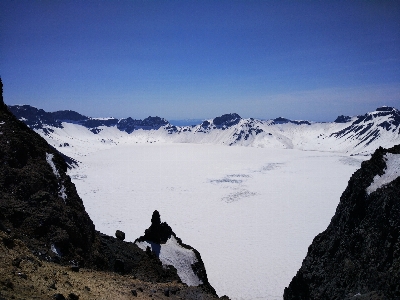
{"x": 250, "y": 212}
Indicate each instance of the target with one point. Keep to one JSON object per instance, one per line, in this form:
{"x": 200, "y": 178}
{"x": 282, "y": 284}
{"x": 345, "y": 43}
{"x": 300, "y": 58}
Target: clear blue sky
{"x": 199, "y": 59}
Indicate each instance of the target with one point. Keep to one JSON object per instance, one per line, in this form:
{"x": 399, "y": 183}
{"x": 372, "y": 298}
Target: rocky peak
{"x": 342, "y": 119}
{"x": 281, "y": 120}
{"x": 160, "y": 241}
{"x": 386, "y": 108}
{"x": 227, "y": 120}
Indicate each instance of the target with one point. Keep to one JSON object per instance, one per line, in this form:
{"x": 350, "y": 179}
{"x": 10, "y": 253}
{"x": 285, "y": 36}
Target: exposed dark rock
{"x": 342, "y": 119}
{"x": 73, "y": 296}
{"x": 38, "y": 118}
{"x": 167, "y": 292}
{"x": 59, "y": 297}
{"x": 119, "y": 265}
{"x": 120, "y": 235}
{"x": 358, "y": 255}
{"x": 75, "y": 268}
{"x": 205, "y": 124}
{"x": 158, "y": 233}
{"x": 281, "y": 120}
{"x": 366, "y": 128}
{"x": 227, "y": 120}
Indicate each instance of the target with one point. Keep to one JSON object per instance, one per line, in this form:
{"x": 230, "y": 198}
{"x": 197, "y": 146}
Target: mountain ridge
{"x": 357, "y": 135}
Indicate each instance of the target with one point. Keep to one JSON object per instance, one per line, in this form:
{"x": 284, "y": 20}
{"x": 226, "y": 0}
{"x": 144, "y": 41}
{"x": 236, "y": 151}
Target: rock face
{"x": 227, "y": 120}
{"x": 160, "y": 241}
{"x": 358, "y": 255}
{"x": 38, "y": 201}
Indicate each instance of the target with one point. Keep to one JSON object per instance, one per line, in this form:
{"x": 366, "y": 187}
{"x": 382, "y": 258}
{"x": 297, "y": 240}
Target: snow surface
{"x": 171, "y": 253}
{"x": 392, "y": 171}
{"x": 55, "y": 250}
{"x": 250, "y": 212}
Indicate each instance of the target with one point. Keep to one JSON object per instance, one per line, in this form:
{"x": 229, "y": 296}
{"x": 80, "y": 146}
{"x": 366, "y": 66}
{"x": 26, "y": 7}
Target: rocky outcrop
{"x": 358, "y": 255}
{"x": 159, "y": 239}
{"x": 342, "y": 119}
{"x": 281, "y": 120}
{"x": 227, "y": 120}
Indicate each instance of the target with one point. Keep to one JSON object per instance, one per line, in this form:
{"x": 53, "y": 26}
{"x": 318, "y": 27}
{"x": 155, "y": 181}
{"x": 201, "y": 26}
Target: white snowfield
{"x": 173, "y": 254}
{"x": 392, "y": 171}
{"x": 251, "y": 210}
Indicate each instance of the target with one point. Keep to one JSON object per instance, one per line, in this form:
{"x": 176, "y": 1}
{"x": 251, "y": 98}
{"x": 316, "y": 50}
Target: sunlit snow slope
{"x": 351, "y": 135}
{"x": 250, "y": 211}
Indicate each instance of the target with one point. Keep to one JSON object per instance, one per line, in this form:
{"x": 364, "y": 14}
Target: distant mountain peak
{"x": 342, "y": 119}
{"x": 386, "y": 108}
{"x": 227, "y": 120}
{"x": 281, "y": 120}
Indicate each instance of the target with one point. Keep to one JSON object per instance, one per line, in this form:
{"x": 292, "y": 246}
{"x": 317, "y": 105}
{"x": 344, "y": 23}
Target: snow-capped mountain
{"x": 352, "y": 135}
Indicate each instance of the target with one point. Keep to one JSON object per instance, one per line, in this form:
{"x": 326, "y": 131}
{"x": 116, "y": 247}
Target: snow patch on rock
{"x": 392, "y": 171}
{"x": 49, "y": 159}
{"x": 62, "y": 191}
{"x": 173, "y": 254}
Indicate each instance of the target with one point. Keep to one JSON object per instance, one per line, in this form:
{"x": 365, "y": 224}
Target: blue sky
{"x": 199, "y": 59}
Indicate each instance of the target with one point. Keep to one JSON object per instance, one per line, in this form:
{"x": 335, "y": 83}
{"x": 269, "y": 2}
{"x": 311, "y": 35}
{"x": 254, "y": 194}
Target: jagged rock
{"x": 358, "y": 255}
{"x": 342, "y": 119}
{"x": 227, "y": 120}
{"x": 120, "y": 235}
{"x": 157, "y": 235}
{"x": 281, "y": 120}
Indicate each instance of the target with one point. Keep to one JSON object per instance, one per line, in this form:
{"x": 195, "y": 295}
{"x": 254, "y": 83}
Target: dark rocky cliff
{"x": 358, "y": 255}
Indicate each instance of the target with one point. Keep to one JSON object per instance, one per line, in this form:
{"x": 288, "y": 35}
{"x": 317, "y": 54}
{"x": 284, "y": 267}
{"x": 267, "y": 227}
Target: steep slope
{"x": 41, "y": 210}
{"x": 358, "y": 255}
